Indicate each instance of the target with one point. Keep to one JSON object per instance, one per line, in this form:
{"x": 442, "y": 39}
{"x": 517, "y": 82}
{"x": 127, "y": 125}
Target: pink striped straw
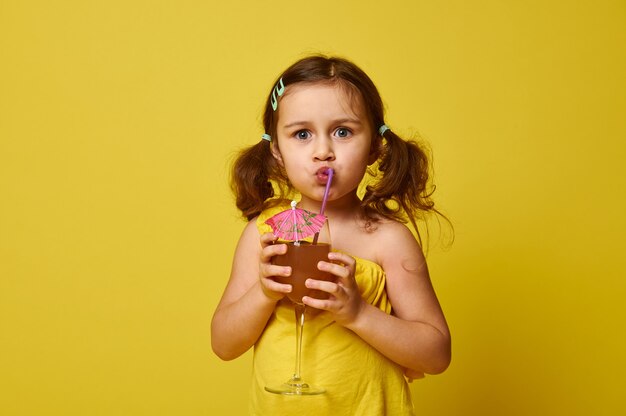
{"x": 330, "y": 172}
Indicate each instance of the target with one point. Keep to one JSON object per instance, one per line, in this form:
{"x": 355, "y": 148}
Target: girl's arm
{"x": 250, "y": 295}
{"x": 416, "y": 336}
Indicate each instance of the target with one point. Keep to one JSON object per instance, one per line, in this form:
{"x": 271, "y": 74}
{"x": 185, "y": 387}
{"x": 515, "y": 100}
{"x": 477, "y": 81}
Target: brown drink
{"x": 303, "y": 260}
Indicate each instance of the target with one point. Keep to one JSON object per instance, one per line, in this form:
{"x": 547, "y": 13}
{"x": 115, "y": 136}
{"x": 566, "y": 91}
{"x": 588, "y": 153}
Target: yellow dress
{"x": 357, "y": 378}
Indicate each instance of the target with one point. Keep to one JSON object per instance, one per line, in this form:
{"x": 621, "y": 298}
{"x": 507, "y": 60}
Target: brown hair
{"x": 401, "y": 188}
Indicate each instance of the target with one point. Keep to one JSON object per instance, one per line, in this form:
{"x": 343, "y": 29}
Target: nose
{"x": 324, "y": 149}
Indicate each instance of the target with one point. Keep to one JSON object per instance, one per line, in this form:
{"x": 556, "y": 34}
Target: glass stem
{"x": 299, "y": 309}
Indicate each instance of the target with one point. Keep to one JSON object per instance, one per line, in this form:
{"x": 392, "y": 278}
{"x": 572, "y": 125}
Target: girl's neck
{"x": 345, "y": 207}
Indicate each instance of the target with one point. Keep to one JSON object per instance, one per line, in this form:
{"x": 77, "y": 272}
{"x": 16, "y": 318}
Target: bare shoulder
{"x": 249, "y": 240}
{"x": 395, "y": 241}
{"x": 401, "y": 257}
{"x": 251, "y": 229}
{"x": 381, "y": 242}
{"x": 386, "y": 228}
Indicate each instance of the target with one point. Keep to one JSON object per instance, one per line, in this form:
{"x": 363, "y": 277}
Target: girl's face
{"x": 321, "y": 126}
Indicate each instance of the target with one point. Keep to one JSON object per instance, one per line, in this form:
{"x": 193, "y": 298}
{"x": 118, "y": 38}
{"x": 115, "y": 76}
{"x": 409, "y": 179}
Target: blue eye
{"x": 303, "y": 134}
{"x": 342, "y": 132}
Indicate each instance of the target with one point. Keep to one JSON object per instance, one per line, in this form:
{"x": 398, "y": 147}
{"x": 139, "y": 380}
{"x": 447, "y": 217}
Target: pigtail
{"x": 251, "y": 178}
{"x": 403, "y": 190}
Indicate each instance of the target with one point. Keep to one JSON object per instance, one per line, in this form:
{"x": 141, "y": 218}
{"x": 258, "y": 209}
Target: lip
{"x": 322, "y": 175}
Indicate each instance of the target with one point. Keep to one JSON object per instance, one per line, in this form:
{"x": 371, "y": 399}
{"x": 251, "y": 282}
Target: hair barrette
{"x": 277, "y": 91}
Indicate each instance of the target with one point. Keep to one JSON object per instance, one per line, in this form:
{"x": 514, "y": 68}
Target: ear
{"x": 276, "y": 153}
{"x": 375, "y": 150}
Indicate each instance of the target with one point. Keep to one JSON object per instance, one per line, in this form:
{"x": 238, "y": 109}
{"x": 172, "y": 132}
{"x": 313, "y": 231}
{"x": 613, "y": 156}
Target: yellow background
{"x": 118, "y": 120}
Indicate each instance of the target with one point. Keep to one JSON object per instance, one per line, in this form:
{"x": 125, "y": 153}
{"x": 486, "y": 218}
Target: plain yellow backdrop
{"x": 118, "y": 120}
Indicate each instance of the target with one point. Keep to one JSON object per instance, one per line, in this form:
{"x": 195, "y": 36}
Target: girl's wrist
{"x": 359, "y": 319}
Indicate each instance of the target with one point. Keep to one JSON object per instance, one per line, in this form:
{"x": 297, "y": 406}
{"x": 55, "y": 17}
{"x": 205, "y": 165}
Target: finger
{"x": 272, "y": 250}
{"x": 341, "y": 271}
{"x": 329, "y": 287}
{"x": 274, "y": 286}
{"x": 342, "y": 259}
{"x": 348, "y": 261}
{"x": 269, "y": 270}
{"x": 413, "y": 375}
{"x": 268, "y": 239}
{"x": 317, "y": 303}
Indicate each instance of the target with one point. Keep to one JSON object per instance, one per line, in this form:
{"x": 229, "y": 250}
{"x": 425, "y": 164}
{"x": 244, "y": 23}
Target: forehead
{"x": 331, "y": 99}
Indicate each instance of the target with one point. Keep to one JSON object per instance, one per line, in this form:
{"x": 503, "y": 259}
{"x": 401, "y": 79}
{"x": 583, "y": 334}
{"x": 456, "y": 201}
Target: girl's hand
{"x": 412, "y": 374}
{"x": 272, "y": 289}
{"x": 345, "y": 301}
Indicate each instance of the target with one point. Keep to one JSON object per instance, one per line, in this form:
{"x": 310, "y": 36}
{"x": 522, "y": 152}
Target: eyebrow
{"x": 338, "y": 121}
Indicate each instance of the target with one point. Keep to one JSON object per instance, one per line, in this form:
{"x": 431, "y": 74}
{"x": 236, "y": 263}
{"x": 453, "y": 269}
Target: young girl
{"x": 382, "y": 323}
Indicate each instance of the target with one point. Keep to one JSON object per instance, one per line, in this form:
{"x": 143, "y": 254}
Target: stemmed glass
{"x": 303, "y": 257}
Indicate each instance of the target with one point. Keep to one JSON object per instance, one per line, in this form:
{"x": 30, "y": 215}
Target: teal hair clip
{"x": 266, "y": 137}
{"x": 277, "y": 92}
{"x": 382, "y": 129}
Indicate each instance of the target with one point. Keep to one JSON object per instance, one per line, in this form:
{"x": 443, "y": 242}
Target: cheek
{"x": 293, "y": 169}
{"x": 362, "y": 157}
{"x": 354, "y": 170}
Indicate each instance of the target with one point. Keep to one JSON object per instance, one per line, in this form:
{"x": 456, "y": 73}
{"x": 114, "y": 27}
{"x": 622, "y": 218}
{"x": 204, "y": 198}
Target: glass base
{"x": 296, "y": 387}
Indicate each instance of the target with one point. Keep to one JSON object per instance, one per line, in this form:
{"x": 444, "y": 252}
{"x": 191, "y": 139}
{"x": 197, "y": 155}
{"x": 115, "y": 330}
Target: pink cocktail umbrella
{"x": 295, "y": 224}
